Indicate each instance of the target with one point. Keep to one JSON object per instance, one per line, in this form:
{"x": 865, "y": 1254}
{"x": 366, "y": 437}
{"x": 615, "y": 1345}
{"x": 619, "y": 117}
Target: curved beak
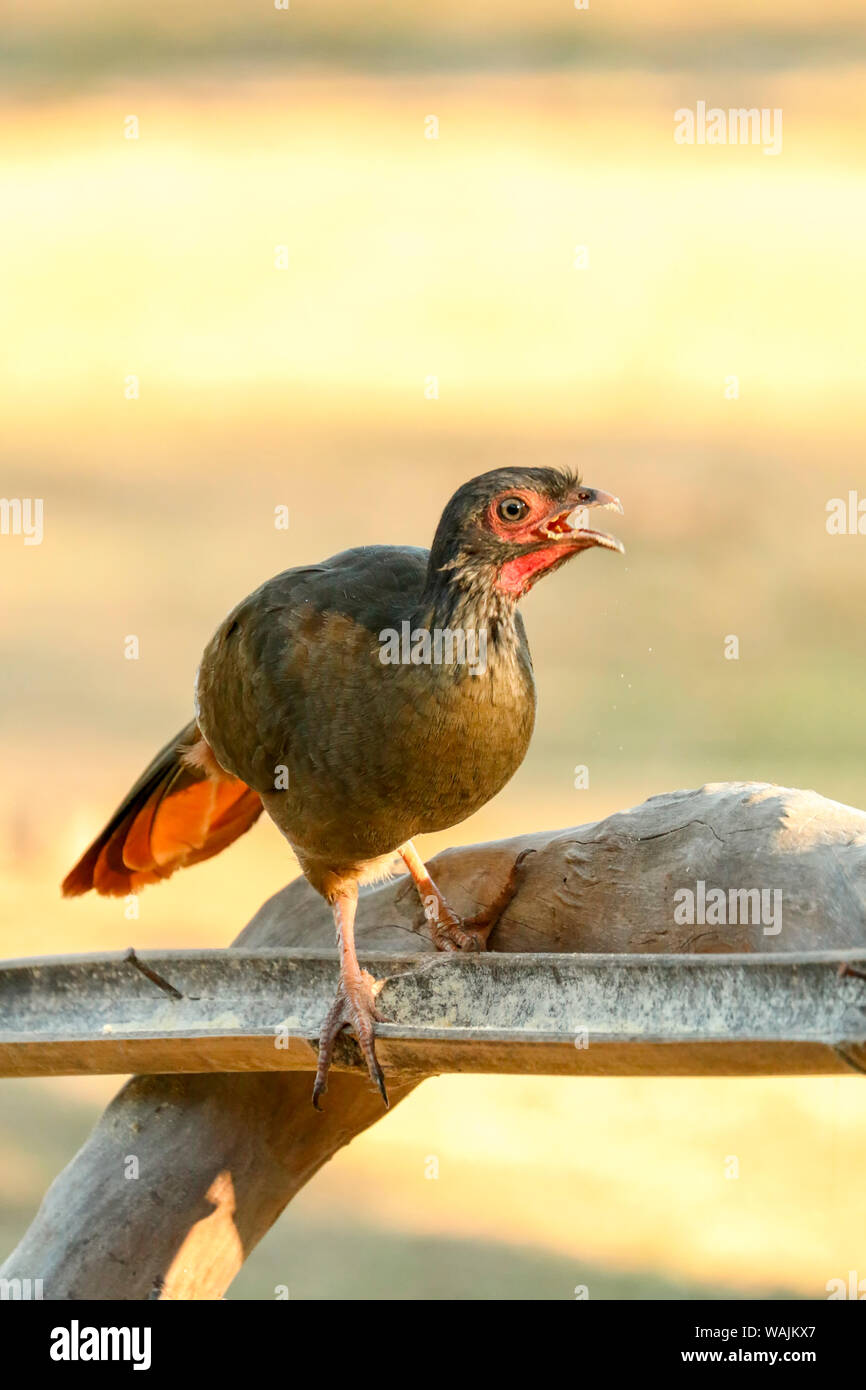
{"x": 572, "y": 525}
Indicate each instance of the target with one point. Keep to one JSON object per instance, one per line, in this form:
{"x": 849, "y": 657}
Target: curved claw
{"x": 451, "y": 934}
{"x": 471, "y": 934}
{"x": 354, "y": 1007}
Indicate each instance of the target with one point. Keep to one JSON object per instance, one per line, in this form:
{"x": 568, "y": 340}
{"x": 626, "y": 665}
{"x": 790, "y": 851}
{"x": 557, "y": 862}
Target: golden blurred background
{"x": 243, "y": 308}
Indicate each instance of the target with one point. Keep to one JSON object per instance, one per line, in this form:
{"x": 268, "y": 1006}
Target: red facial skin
{"x": 518, "y": 575}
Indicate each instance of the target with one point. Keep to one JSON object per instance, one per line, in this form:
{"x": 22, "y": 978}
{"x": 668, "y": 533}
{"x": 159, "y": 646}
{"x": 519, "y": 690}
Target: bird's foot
{"x": 451, "y": 933}
{"x": 355, "y": 1008}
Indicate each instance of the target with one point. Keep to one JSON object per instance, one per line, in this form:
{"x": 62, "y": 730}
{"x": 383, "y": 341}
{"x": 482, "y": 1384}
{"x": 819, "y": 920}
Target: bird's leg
{"x": 449, "y": 932}
{"x": 355, "y": 1004}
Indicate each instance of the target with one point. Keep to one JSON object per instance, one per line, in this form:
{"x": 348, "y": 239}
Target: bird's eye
{"x": 512, "y": 509}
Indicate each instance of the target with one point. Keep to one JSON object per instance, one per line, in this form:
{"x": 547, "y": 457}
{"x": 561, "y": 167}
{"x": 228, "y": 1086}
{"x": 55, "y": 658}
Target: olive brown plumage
{"x": 384, "y": 693}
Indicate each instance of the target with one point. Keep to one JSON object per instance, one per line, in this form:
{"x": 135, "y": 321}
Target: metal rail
{"x": 260, "y": 1010}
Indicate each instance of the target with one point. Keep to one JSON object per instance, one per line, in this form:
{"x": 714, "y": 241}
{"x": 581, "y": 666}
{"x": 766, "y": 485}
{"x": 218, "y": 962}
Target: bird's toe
{"x": 354, "y": 1007}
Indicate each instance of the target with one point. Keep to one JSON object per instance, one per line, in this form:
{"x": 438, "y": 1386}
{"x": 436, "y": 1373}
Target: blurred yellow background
{"x": 408, "y": 258}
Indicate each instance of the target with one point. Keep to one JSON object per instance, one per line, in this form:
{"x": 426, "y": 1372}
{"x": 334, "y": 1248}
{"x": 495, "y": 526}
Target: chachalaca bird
{"x": 384, "y": 693}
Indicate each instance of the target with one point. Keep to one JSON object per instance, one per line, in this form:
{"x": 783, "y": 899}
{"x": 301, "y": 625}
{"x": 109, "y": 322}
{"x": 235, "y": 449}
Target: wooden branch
{"x": 218, "y": 1156}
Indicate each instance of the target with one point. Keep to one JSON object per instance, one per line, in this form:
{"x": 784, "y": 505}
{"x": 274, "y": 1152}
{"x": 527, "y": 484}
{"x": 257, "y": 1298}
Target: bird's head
{"x": 505, "y": 529}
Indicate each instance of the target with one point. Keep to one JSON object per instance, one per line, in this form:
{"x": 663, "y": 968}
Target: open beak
{"x": 571, "y": 525}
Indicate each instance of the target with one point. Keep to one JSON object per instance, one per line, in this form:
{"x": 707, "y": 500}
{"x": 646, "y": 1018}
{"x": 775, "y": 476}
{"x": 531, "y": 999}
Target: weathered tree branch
{"x": 219, "y": 1156}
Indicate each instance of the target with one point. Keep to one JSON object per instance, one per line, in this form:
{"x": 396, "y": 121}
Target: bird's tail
{"x": 183, "y": 809}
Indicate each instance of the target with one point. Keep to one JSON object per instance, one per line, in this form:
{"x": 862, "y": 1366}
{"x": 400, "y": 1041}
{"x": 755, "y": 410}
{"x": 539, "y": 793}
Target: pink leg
{"x": 448, "y": 931}
{"x": 355, "y": 1004}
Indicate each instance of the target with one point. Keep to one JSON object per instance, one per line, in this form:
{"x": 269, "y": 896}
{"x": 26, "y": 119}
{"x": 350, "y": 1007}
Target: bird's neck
{"x": 457, "y": 598}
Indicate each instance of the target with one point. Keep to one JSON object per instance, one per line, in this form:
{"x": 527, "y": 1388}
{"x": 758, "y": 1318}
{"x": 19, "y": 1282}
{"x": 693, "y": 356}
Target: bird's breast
{"x": 353, "y": 752}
